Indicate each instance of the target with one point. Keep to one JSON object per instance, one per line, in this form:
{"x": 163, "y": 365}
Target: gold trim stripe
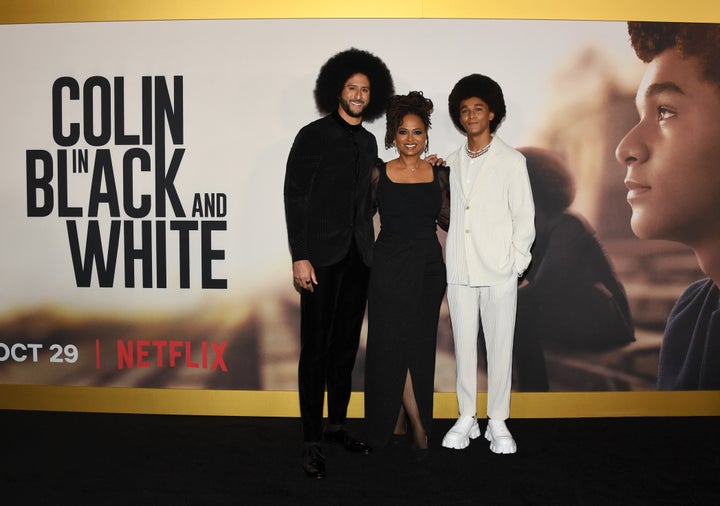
{"x": 66, "y": 11}
{"x": 285, "y": 403}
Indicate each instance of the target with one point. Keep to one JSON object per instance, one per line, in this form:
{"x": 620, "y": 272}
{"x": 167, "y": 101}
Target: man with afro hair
{"x": 330, "y": 233}
{"x": 487, "y": 249}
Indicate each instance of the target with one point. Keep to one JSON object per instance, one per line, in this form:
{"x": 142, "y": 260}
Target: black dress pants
{"x": 331, "y": 320}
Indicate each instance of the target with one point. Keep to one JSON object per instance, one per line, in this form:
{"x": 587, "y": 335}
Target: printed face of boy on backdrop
{"x": 672, "y": 154}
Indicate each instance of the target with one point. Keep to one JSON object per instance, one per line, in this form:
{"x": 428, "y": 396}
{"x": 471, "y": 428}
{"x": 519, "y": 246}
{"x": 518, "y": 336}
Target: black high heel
{"x": 398, "y": 439}
{"x": 421, "y": 453}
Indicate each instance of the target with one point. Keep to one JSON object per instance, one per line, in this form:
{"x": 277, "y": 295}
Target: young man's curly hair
{"x": 400, "y": 106}
{"x": 340, "y": 67}
{"x": 700, "y": 40}
{"x": 482, "y": 87}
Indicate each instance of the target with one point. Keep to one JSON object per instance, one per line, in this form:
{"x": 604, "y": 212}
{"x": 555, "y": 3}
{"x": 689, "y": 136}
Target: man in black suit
{"x": 330, "y": 231}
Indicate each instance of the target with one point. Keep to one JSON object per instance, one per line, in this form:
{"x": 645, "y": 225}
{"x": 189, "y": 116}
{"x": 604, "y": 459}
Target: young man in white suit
{"x": 487, "y": 249}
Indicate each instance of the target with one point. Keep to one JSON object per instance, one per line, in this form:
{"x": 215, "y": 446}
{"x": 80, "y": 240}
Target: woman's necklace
{"x": 475, "y": 154}
{"x": 412, "y": 169}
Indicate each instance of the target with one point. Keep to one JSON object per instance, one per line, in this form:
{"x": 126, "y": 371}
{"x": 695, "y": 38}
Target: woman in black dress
{"x": 407, "y": 280}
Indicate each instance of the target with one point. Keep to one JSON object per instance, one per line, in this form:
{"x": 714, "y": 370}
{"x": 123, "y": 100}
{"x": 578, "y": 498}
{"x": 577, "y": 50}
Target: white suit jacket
{"x": 492, "y": 223}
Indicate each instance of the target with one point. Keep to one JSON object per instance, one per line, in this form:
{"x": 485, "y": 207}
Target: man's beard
{"x": 345, "y": 104}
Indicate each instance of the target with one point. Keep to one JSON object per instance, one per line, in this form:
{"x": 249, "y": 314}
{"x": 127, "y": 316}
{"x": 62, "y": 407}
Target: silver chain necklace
{"x": 475, "y": 154}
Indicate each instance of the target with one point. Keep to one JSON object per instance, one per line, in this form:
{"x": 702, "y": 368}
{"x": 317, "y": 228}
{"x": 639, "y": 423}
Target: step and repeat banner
{"x": 141, "y": 209}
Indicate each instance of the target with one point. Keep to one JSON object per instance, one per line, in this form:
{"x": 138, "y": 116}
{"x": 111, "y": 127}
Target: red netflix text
{"x": 168, "y": 353}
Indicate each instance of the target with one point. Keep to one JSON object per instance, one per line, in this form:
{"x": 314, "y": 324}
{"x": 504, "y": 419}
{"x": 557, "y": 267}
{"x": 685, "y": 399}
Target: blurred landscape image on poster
{"x": 569, "y": 301}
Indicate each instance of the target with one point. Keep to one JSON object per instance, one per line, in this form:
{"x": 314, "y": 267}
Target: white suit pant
{"x": 496, "y": 307}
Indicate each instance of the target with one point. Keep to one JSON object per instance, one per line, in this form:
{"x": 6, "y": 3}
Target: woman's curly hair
{"x": 553, "y": 187}
{"x": 400, "y": 106}
{"x": 340, "y": 67}
{"x": 482, "y": 87}
{"x": 701, "y": 40}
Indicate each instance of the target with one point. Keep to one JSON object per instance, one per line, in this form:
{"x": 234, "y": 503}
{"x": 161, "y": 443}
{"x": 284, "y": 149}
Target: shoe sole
{"x": 500, "y": 450}
{"x": 464, "y": 443}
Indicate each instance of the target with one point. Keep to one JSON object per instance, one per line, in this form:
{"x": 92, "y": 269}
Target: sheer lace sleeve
{"x": 443, "y": 218}
{"x": 374, "y": 178}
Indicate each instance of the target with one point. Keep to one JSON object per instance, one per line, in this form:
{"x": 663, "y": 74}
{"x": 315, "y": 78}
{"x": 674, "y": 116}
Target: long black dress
{"x": 407, "y": 284}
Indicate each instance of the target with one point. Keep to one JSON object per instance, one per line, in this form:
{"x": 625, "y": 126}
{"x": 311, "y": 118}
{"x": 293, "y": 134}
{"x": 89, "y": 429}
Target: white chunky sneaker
{"x": 501, "y": 441}
{"x": 459, "y": 436}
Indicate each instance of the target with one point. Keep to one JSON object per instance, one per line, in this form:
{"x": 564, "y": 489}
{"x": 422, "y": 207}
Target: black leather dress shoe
{"x": 343, "y": 437}
{"x": 314, "y": 462}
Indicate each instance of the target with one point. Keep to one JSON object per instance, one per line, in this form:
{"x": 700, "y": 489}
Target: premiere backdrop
{"x": 141, "y": 209}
